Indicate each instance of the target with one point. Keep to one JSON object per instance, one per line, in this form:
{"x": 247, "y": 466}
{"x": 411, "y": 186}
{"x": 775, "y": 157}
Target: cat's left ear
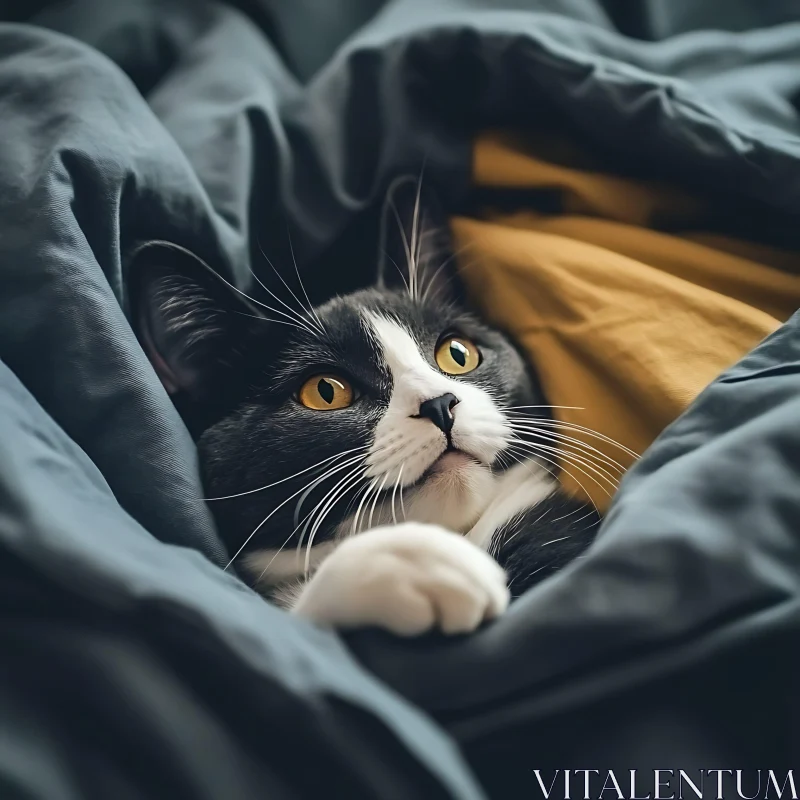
{"x": 415, "y": 249}
{"x": 193, "y": 325}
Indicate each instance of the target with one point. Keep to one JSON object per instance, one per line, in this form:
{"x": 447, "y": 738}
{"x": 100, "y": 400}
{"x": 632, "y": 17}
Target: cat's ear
{"x": 191, "y": 323}
{"x": 415, "y": 251}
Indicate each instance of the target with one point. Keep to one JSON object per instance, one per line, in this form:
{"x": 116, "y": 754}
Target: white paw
{"x": 408, "y": 579}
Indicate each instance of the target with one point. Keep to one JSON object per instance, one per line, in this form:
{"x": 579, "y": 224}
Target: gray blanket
{"x": 132, "y": 666}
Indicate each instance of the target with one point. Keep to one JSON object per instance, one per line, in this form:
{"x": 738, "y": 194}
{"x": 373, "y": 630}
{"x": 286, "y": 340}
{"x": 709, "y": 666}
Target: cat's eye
{"x": 326, "y": 393}
{"x": 457, "y": 355}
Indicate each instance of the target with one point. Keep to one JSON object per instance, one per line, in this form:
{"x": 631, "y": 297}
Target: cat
{"x": 384, "y": 459}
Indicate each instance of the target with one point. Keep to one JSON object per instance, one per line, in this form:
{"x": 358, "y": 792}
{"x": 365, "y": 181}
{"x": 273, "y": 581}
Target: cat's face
{"x": 374, "y": 407}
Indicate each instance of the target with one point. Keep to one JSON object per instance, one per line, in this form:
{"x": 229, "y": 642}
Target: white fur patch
{"x": 407, "y": 579}
{"x": 406, "y": 446}
{"x": 520, "y": 488}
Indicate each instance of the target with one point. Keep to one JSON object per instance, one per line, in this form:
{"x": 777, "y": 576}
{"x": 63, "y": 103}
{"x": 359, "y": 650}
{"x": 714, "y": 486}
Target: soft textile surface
{"x": 627, "y": 324}
{"x": 133, "y": 665}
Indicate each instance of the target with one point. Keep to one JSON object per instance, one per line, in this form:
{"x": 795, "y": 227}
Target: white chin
{"x": 453, "y": 463}
{"x": 454, "y": 493}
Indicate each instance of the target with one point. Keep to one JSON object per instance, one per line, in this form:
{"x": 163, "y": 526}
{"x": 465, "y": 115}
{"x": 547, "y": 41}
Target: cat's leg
{"x": 543, "y": 539}
{"x": 407, "y": 578}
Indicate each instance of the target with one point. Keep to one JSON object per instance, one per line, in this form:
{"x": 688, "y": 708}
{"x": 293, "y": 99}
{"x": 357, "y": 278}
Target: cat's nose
{"x": 439, "y": 411}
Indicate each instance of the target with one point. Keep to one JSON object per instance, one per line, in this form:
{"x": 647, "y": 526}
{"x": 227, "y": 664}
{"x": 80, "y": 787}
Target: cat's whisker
{"x": 555, "y": 541}
{"x": 561, "y": 465}
{"x": 575, "y": 461}
{"x": 531, "y": 429}
{"x": 526, "y": 463}
{"x": 236, "y": 288}
{"x": 264, "y": 318}
{"x": 302, "y": 286}
{"x": 205, "y": 264}
{"x": 359, "y": 493}
{"x": 559, "y": 468}
{"x": 293, "y": 313}
{"x": 414, "y": 262}
{"x": 274, "y": 556}
{"x": 518, "y": 408}
{"x": 356, "y": 496}
{"x": 402, "y": 501}
{"x": 375, "y": 501}
{"x": 296, "y": 518}
{"x": 290, "y": 477}
{"x": 298, "y": 319}
{"x": 357, "y": 516}
{"x": 335, "y": 495}
{"x": 332, "y": 471}
{"x": 389, "y": 204}
{"x": 433, "y": 279}
{"x": 321, "y": 507}
{"x": 289, "y": 538}
{"x": 552, "y": 433}
{"x": 582, "y": 429}
{"x": 312, "y": 318}
{"x": 554, "y": 423}
{"x": 389, "y": 458}
{"x": 394, "y": 493}
{"x": 575, "y": 511}
{"x": 400, "y": 272}
{"x": 307, "y": 520}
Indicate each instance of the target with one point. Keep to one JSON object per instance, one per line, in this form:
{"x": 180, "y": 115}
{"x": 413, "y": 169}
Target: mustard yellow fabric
{"x": 620, "y": 319}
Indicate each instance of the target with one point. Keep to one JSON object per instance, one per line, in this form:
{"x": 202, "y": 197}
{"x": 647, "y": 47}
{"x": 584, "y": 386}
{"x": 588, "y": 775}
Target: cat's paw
{"x": 407, "y": 578}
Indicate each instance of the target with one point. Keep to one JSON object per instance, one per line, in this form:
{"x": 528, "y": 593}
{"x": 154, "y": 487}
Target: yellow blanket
{"x": 622, "y": 320}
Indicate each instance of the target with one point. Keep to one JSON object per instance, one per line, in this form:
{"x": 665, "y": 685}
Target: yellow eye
{"x": 326, "y": 393}
{"x": 457, "y": 355}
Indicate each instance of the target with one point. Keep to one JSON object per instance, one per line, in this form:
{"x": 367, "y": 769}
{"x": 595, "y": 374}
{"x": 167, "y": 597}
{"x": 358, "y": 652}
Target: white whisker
{"x": 322, "y": 503}
{"x": 302, "y": 287}
{"x": 560, "y": 468}
{"x": 312, "y": 319}
{"x": 416, "y": 240}
{"x": 394, "y": 492}
{"x": 331, "y": 472}
{"x": 388, "y": 204}
{"x": 554, "y": 423}
{"x": 433, "y": 278}
{"x": 531, "y": 429}
{"x": 373, "y": 484}
{"x": 555, "y": 541}
{"x": 560, "y": 465}
{"x": 313, "y": 485}
{"x": 293, "y": 315}
{"x": 574, "y": 460}
{"x": 265, "y": 318}
{"x": 399, "y": 271}
{"x": 522, "y": 416}
{"x": 375, "y": 501}
{"x": 335, "y": 495}
{"x": 288, "y": 478}
{"x": 575, "y": 511}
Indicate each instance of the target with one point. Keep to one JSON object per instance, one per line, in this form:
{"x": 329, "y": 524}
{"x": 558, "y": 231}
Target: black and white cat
{"x": 380, "y": 460}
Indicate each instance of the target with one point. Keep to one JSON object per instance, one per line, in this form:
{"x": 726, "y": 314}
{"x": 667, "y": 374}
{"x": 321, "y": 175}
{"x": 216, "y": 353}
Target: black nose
{"x": 438, "y": 411}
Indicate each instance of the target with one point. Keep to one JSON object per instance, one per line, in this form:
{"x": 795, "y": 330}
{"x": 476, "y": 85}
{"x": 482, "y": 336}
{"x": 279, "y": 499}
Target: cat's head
{"x": 387, "y": 403}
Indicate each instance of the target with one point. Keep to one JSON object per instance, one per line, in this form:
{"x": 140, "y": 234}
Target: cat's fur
{"x": 427, "y": 503}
